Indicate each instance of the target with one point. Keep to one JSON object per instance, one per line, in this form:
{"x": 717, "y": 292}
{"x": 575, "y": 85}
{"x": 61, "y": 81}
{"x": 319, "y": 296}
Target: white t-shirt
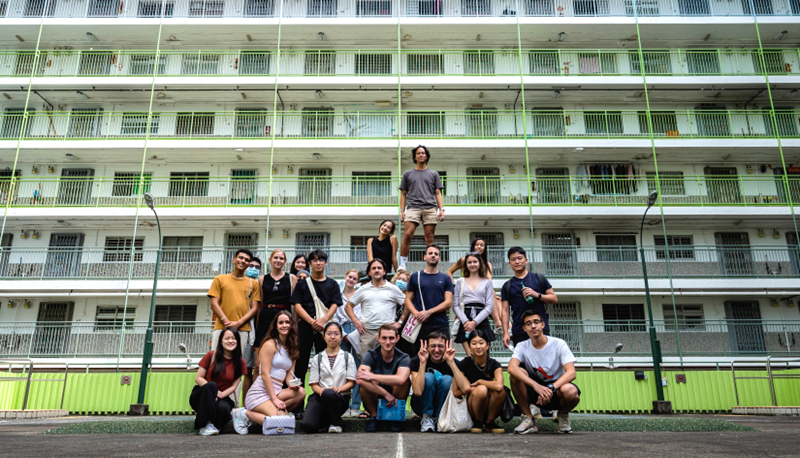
{"x": 546, "y": 363}
{"x": 378, "y": 305}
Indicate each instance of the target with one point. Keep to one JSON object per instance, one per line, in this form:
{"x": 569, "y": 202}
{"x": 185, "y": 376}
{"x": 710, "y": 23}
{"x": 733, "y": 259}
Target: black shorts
{"x": 483, "y": 326}
{"x": 533, "y": 396}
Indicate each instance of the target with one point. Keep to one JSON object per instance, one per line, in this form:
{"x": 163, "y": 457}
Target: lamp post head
{"x": 652, "y": 198}
{"x": 618, "y": 348}
{"x": 148, "y": 199}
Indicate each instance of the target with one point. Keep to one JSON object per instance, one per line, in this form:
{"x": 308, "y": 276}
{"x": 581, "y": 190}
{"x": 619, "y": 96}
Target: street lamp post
{"x": 659, "y": 406}
{"x": 141, "y": 408}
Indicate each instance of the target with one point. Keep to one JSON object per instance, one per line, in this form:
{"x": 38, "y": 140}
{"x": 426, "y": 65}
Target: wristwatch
{"x": 552, "y": 387}
{"x": 540, "y": 296}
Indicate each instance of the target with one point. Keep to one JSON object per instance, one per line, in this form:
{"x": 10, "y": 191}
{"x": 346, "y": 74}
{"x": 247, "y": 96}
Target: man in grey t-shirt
{"x": 421, "y": 192}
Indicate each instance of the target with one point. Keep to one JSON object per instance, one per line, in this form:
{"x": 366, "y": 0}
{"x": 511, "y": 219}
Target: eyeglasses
{"x": 275, "y": 286}
{"x": 533, "y": 322}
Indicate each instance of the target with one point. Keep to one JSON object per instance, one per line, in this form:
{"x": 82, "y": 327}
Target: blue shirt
{"x": 518, "y": 305}
{"x": 433, "y": 288}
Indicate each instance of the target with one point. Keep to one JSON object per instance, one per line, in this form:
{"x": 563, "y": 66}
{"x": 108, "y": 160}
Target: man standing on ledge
{"x": 421, "y": 191}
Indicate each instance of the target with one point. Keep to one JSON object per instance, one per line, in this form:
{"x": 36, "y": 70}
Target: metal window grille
{"x": 182, "y": 249}
{"x": 188, "y": 184}
{"x": 118, "y": 249}
{"x": 127, "y": 184}
{"x": 110, "y": 318}
{"x": 624, "y": 317}
{"x": 616, "y": 248}
{"x": 689, "y": 317}
{"x": 680, "y": 246}
{"x": 166, "y": 317}
{"x": 672, "y": 183}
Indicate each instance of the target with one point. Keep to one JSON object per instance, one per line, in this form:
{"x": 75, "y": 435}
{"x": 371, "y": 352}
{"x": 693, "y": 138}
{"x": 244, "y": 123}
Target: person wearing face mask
{"x": 379, "y": 300}
{"x": 332, "y": 378}
{"x": 348, "y": 287}
{"x": 473, "y": 300}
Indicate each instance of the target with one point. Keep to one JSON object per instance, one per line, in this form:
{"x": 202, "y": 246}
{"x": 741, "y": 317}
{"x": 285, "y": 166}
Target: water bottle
{"x": 529, "y": 299}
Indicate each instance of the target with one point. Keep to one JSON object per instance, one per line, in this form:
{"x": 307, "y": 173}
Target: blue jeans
{"x": 431, "y": 400}
{"x": 355, "y": 401}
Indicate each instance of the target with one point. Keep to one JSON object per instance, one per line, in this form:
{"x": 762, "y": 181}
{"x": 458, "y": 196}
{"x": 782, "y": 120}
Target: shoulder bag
{"x": 279, "y": 425}
{"x": 454, "y": 416}
{"x": 322, "y": 310}
{"x": 412, "y": 327}
{"x": 456, "y": 321}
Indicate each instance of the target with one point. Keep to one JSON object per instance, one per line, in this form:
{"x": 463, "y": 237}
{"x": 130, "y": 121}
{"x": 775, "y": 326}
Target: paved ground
{"x": 776, "y": 436}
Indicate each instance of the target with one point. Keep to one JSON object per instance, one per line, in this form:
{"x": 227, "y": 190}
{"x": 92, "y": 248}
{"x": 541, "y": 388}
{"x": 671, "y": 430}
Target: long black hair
{"x": 484, "y": 255}
{"x": 292, "y": 269}
{"x": 219, "y": 356}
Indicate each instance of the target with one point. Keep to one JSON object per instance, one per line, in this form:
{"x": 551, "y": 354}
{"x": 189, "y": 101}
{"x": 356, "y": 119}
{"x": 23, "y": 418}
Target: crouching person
{"x": 277, "y": 355}
{"x": 217, "y": 378}
{"x": 383, "y": 374}
{"x": 542, "y": 370}
{"x": 480, "y": 379}
{"x": 333, "y": 376}
{"x": 431, "y": 379}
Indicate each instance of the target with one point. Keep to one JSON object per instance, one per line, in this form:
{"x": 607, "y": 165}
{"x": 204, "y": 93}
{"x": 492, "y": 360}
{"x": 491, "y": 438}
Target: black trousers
{"x": 209, "y": 409}
{"x": 324, "y": 410}
{"x": 307, "y": 339}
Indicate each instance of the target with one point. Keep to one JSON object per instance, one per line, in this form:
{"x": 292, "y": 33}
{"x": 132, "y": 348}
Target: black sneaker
{"x": 372, "y": 425}
{"x": 395, "y": 427}
{"x": 477, "y": 427}
{"x": 494, "y": 428}
{"x": 546, "y": 413}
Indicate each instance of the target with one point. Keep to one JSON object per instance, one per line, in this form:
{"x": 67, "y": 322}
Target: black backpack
{"x": 539, "y": 276}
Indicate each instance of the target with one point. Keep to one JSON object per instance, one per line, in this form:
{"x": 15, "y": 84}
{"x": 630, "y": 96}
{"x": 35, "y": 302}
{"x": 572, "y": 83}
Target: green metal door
{"x": 243, "y": 187}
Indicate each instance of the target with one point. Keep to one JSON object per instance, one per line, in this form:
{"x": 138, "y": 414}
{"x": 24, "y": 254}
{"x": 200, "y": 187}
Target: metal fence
{"x": 202, "y": 9}
{"x": 365, "y": 62}
{"x": 125, "y": 190}
{"x": 591, "y": 338}
{"x": 481, "y": 123}
{"x": 576, "y": 262}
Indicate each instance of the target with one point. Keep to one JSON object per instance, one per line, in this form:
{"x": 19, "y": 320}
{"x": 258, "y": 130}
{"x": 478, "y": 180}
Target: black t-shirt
{"x": 374, "y": 360}
{"x": 472, "y": 373}
{"x": 441, "y": 367}
{"x": 327, "y": 291}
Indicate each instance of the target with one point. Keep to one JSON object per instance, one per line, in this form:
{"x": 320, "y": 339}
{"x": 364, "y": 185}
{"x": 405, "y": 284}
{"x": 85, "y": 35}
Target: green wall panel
{"x": 602, "y": 391}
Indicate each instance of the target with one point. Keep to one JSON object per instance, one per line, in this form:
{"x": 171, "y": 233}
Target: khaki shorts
{"x": 424, "y": 216}
{"x": 369, "y": 340}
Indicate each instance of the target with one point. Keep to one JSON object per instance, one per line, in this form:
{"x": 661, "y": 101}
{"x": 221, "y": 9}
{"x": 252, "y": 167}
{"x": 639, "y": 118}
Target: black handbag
{"x": 507, "y": 412}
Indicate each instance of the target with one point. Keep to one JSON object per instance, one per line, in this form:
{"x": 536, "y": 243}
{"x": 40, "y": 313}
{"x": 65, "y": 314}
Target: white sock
{"x": 403, "y": 260}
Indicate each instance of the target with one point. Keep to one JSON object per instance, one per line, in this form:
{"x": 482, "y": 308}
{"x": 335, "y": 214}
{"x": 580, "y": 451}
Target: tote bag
{"x": 454, "y": 416}
{"x": 321, "y": 309}
{"x": 412, "y": 327}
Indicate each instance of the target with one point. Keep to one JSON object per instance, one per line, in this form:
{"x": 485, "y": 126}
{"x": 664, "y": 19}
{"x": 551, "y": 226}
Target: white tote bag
{"x": 321, "y": 309}
{"x": 454, "y": 417}
{"x": 411, "y": 329}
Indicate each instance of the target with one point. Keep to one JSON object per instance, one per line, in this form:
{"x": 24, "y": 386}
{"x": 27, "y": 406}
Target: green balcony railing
{"x": 483, "y": 123}
{"x": 586, "y": 338}
{"x": 387, "y": 62}
{"x": 568, "y": 262}
{"x": 354, "y": 191}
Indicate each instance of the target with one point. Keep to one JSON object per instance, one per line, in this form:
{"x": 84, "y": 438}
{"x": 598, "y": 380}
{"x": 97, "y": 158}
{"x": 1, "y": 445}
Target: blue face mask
{"x": 251, "y": 272}
{"x": 401, "y": 284}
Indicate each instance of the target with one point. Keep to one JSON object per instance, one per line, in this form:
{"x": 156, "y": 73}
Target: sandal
{"x": 363, "y": 415}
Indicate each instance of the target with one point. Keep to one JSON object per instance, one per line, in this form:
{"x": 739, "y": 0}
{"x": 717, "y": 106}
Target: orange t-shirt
{"x": 235, "y": 295}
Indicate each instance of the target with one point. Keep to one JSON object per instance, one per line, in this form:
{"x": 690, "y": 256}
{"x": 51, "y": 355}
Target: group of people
{"x": 360, "y": 356}
{"x": 266, "y": 327}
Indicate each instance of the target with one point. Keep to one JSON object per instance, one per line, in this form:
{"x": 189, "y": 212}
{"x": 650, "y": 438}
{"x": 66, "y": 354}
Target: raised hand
{"x": 449, "y": 352}
{"x": 423, "y": 352}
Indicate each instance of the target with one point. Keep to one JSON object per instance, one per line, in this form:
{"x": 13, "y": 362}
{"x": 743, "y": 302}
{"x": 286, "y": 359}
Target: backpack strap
{"x": 506, "y": 289}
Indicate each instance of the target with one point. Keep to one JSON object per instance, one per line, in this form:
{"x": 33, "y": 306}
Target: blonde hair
{"x": 353, "y": 270}
{"x": 277, "y": 250}
{"x": 401, "y": 272}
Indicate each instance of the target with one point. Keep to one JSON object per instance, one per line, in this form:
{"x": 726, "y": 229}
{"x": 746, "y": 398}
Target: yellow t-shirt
{"x": 235, "y": 295}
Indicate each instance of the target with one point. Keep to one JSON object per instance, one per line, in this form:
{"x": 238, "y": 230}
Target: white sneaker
{"x": 209, "y": 430}
{"x": 537, "y": 414}
{"x": 555, "y": 415}
{"x": 526, "y": 426}
{"x": 563, "y": 424}
{"x": 334, "y": 429}
{"x": 402, "y": 267}
{"x": 427, "y": 424}
{"x": 352, "y": 413}
{"x": 240, "y": 421}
